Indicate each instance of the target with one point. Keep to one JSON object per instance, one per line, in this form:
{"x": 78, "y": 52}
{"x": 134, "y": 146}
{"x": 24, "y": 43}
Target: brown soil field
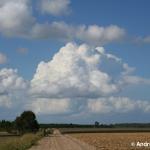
{"x": 115, "y": 141}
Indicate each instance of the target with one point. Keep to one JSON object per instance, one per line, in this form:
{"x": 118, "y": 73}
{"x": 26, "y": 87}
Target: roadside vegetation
{"x": 20, "y": 134}
{"x": 98, "y": 125}
{"x": 19, "y": 143}
{"x": 99, "y": 128}
{"x": 25, "y": 131}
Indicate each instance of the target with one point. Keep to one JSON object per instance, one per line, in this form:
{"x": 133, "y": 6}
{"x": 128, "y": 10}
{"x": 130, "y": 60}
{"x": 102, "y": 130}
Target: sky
{"x": 75, "y": 61}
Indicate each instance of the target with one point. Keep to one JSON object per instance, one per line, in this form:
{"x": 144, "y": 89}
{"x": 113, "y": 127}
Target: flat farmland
{"x": 114, "y": 141}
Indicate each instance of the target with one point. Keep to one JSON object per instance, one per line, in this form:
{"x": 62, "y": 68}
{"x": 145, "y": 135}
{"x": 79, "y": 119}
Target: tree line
{"x": 96, "y": 124}
{"x": 27, "y": 122}
{"x": 24, "y": 123}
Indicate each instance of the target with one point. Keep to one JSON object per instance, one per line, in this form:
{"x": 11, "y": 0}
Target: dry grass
{"x": 18, "y": 143}
{"x": 114, "y": 141}
{"x": 4, "y": 139}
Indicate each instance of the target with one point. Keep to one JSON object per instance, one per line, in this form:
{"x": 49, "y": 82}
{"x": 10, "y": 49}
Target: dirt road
{"x": 57, "y": 141}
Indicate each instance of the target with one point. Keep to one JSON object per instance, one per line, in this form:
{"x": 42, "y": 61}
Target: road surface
{"x": 57, "y": 141}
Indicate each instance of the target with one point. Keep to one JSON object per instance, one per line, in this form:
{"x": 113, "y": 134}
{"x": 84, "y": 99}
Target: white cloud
{"x": 10, "y": 80}
{"x": 3, "y": 58}
{"x": 15, "y": 17}
{"x": 76, "y": 73}
{"x": 117, "y": 105}
{"x": 135, "y": 80}
{"x": 142, "y": 40}
{"x": 147, "y": 39}
{"x": 5, "y": 101}
{"x": 77, "y": 77}
{"x": 93, "y": 34}
{"x": 100, "y": 35}
{"x": 144, "y": 105}
{"x": 80, "y": 73}
{"x": 12, "y": 87}
{"x": 50, "y": 106}
{"x": 73, "y": 72}
{"x": 54, "y": 30}
{"x": 55, "y": 7}
{"x": 128, "y": 70}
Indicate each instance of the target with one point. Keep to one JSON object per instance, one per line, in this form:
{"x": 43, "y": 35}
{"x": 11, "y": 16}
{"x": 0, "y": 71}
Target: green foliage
{"x": 96, "y": 124}
{"x": 26, "y": 122}
{"x": 6, "y": 125}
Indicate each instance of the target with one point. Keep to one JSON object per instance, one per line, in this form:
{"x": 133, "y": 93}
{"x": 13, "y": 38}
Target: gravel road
{"x": 57, "y": 141}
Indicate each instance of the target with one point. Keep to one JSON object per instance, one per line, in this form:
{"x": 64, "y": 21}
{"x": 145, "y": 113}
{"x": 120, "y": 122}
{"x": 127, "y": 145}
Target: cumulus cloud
{"x": 3, "y": 58}
{"x": 135, "y": 80}
{"x": 81, "y": 73}
{"x": 128, "y": 69}
{"x": 147, "y": 39}
{"x": 100, "y": 35}
{"x": 73, "y": 72}
{"x": 77, "y": 75}
{"x": 5, "y": 101}
{"x": 54, "y": 30}
{"x": 12, "y": 87}
{"x": 27, "y": 26}
{"x": 16, "y": 17}
{"x": 117, "y": 105}
{"x": 55, "y": 7}
{"x": 142, "y": 40}
{"x": 77, "y": 79}
{"x": 50, "y": 106}
{"x": 93, "y": 34}
{"x": 10, "y": 80}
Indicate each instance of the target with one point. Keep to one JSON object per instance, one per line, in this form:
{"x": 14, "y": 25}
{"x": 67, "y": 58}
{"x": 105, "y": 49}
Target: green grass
{"x": 19, "y": 143}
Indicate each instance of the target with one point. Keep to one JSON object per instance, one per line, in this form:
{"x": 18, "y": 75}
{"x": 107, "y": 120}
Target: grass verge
{"x": 21, "y": 143}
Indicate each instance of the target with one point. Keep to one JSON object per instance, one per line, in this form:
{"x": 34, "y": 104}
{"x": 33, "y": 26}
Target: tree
{"x": 26, "y": 122}
{"x": 96, "y": 124}
{"x": 6, "y": 125}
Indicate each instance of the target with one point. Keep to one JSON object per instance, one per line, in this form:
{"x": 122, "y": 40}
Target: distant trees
{"x": 26, "y": 122}
{"x": 6, "y": 125}
{"x": 96, "y": 124}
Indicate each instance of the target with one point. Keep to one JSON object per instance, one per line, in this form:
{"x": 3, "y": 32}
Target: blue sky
{"x": 35, "y": 32}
